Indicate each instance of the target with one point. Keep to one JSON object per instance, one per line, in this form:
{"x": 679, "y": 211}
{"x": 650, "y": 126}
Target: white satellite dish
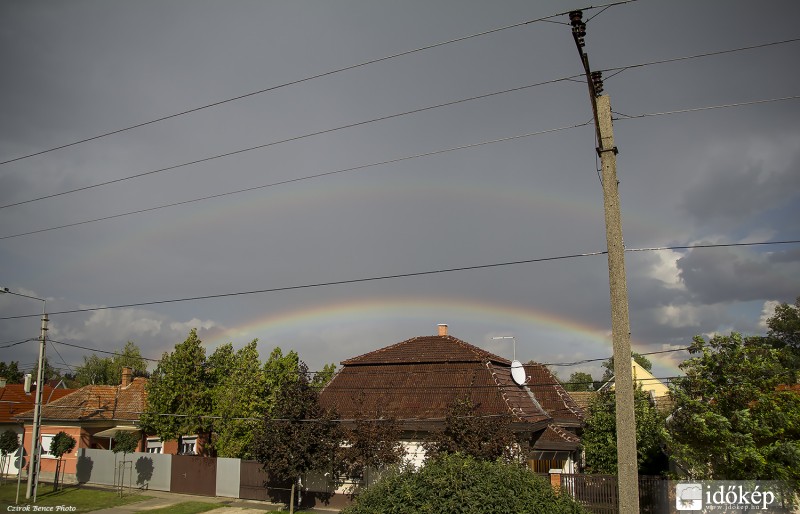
{"x": 518, "y": 372}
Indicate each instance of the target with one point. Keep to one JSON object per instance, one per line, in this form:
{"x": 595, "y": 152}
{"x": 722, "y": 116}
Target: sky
{"x": 325, "y": 205}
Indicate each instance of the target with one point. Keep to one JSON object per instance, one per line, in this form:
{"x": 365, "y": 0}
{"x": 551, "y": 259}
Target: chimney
{"x": 2, "y": 382}
{"x": 126, "y": 376}
{"x": 442, "y": 329}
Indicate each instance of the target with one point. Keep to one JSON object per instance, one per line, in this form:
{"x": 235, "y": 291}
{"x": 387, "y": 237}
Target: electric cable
{"x": 392, "y": 276}
{"x": 306, "y": 79}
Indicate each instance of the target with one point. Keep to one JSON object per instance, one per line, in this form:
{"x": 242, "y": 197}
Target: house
{"x": 655, "y": 388}
{"x": 14, "y": 401}
{"x": 416, "y": 381}
{"x": 92, "y": 415}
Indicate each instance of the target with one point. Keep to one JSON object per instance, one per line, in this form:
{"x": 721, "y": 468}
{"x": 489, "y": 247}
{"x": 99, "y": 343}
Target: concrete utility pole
{"x": 33, "y": 466}
{"x": 627, "y": 460}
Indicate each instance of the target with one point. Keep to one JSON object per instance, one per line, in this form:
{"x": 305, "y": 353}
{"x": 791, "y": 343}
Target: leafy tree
{"x": 468, "y": 433}
{"x": 108, "y": 370}
{"x": 11, "y": 372}
{"x": 784, "y": 325}
{"x": 321, "y": 378}
{"x": 178, "y": 394}
{"x": 370, "y": 444}
{"x": 61, "y": 443}
{"x": 579, "y": 381}
{"x": 733, "y": 419}
{"x": 9, "y": 443}
{"x": 457, "y": 484}
{"x": 599, "y": 438}
{"x": 237, "y": 406}
{"x": 125, "y": 442}
{"x": 300, "y": 436}
{"x": 608, "y": 365}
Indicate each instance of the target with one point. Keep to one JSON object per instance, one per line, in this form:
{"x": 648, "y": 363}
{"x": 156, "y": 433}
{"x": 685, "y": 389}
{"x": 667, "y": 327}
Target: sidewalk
{"x": 160, "y": 499}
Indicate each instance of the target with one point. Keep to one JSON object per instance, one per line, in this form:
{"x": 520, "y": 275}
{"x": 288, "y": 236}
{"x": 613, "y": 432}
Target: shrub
{"x": 457, "y": 483}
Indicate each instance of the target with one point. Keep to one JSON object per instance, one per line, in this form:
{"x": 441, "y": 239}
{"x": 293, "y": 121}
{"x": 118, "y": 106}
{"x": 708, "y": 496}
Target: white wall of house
{"x": 10, "y": 467}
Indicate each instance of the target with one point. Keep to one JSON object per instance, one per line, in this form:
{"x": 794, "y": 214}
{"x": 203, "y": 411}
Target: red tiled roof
{"x": 14, "y": 401}
{"x": 98, "y": 402}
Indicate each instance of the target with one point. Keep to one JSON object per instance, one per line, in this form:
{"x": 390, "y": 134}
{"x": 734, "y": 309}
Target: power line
{"x": 708, "y": 108}
{"x": 414, "y": 111}
{"x": 287, "y": 140}
{"x": 99, "y": 351}
{"x": 393, "y": 276}
{"x": 299, "y": 179}
{"x": 620, "y": 69}
{"x": 306, "y": 79}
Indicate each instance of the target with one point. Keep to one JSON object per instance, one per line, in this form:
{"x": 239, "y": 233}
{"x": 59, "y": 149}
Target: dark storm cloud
{"x": 728, "y": 275}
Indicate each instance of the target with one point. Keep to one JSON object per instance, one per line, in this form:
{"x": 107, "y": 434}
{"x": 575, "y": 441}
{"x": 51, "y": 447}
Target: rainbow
{"x": 376, "y": 322}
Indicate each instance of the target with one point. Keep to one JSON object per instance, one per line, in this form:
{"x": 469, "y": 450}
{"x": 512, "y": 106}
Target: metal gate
{"x": 192, "y": 474}
{"x": 254, "y": 484}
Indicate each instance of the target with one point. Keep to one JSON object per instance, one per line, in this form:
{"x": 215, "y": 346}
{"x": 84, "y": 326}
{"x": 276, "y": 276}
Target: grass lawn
{"x": 83, "y": 499}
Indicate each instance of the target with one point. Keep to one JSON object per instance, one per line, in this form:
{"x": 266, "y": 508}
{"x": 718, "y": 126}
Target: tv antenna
{"x": 517, "y": 370}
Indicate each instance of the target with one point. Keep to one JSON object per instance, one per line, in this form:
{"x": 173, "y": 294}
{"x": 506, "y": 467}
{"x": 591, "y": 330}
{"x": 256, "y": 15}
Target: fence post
{"x": 555, "y": 481}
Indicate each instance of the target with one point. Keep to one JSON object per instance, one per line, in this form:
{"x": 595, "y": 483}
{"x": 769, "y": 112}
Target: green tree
{"x": 178, "y": 393}
{"x": 458, "y": 484}
{"x": 61, "y": 443}
{"x": 784, "y": 325}
{"x": 108, "y": 370}
{"x": 244, "y": 390}
{"x": 469, "y": 433}
{"x": 125, "y": 442}
{"x": 11, "y": 372}
{"x": 321, "y": 378}
{"x": 579, "y": 381}
{"x": 599, "y": 438}
{"x": 9, "y": 443}
{"x": 733, "y": 420}
{"x": 300, "y": 436}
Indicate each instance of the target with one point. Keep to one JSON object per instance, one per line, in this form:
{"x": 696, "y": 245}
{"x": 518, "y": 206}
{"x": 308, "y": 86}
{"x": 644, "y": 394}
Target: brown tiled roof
{"x": 427, "y": 349}
{"x": 583, "y": 398}
{"x": 420, "y": 378}
{"x": 556, "y": 438}
{"x": 552, "y": 396}
{"x": 14, "y": 401}
{"x": 98, "y": 402}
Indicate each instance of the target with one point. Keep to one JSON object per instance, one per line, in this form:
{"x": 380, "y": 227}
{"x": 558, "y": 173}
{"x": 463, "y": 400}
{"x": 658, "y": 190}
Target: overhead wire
{"x": 287, "y": 140}
{"x": 707, "y": 108}
{"x": 382, "y": 118}
{"x": 309, "y": 78}
{"x": 391, "y": 276}
{"x": 300, "y": 179}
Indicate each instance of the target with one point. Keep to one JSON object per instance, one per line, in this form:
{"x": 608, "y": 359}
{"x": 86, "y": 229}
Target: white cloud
{"x": 677, "y": 316}
{"x": 185, "y": 326}
{"x": 767, "y": 311}
{"x": 665, "y": 269}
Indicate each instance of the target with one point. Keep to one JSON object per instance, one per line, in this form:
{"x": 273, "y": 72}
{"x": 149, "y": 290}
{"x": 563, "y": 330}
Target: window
{"x": 154, "y": 445}
{"x": 188, "y": 445}
{"x": 47, "y": 439}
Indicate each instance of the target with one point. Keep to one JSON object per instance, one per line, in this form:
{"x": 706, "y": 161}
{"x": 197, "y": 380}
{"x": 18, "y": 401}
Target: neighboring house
{"x": 417, "y": 381}
{"x": 92, "y": 415}
{"x": 14, "y": 401}
{"x": 655, "y": 388}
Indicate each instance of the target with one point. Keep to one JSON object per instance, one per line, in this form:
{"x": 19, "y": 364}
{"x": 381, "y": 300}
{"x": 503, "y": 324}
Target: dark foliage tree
{"x": 459, "y": 484}
{"x": 736, "y": 417}
{"x": 300, "y": 436}
{"x": 9, "y": 443}
{"x": 599, "y": 438}
{"x": 369, "y": 445}
{"x": 11, "y": 372}
{"x": 469, "y": 433}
